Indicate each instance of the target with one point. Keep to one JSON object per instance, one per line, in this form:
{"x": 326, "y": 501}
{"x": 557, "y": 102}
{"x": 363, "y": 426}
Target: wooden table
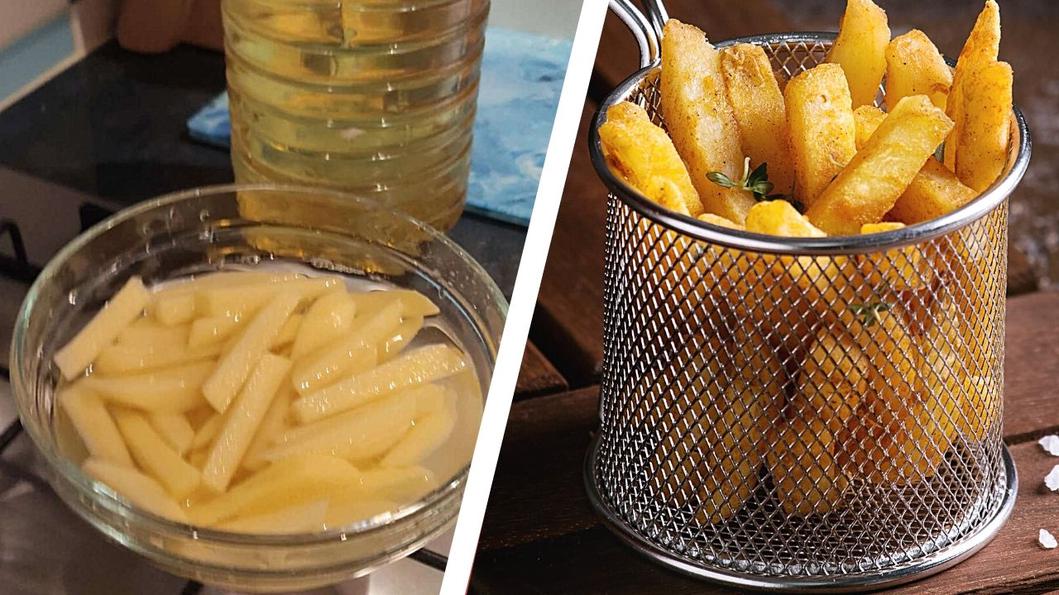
{"x": 540, "y": 534}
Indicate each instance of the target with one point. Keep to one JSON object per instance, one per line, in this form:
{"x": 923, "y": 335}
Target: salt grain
{"x": 1052, "y": 479}
{"x": 1047, "y": 540}
{"x": 1050, "y": 444}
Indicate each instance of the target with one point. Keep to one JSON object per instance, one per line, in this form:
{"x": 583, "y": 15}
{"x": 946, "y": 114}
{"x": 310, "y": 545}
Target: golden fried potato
{"x": 914, "y": 66}
{"x": 822, "y": 129}
{"x": 982, "y": 141}
{"x": 719, "y": 221}
{"x": 832, "y": 380}
{"x": 900, "y": 268}
{"x": 981, "y": 49}
{"x": 935, "y": 191}
{"x": 700, "y": 120}
{"x": 757, "y": 103}
{"x": 802, "y": 462}
{"x": 867, "y": 119}
{"x": 643, "y": 155}
{"x": 881, "y": 171}
{"x": 892, "y": 353}
{"x": 860, "y": 49}
{"x": 780, "y": 218}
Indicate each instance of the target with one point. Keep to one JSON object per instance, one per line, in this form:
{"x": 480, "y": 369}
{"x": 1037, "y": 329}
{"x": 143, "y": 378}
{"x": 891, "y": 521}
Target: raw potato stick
{"x": 94, "y": 425}
{"x": 243, "y": 421}
{"x": 126, "y": 305}
{"x": 175, "y": 309}
{"x": 173, "y": 390}
{"x": 364, "y": 433}
{"x": 413, "y": 303}
{"x": 822, "y": 128}
{"x": 914, "y": 66}
{"x": 300, "y": 518}
{"x": 408, "y": 330}
{"x": 982, "y": 142}
{"x": 428, "y": 435}
{"x": 136, "y": 487}
{"x": 349, "y": 355}
{"x": 247, "y": 300}
{"x": 154, "y": 456}
{"x": 700, "y": 119}
{"x": 145, "y": 332}
{"x": 174, "y": 428}
{"x": 411, "y": 368}
{"x": 757, "y": 103}
{"x": 981, "y": 49}
{"x": 881, "y": 171}
{"x": 860, "y": 49}
{"x": 208, "y": 431}
{"x": 234, "y": 368}
{"x": 327, "y": 319}
{"x": 644, "y": 156}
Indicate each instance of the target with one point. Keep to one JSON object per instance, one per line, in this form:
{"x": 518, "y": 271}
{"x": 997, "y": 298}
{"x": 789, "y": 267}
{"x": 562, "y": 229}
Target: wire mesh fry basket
{"x": 795, "y": 413}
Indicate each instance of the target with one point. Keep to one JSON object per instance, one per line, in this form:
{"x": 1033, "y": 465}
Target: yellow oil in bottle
{"x": 373, "y": 97}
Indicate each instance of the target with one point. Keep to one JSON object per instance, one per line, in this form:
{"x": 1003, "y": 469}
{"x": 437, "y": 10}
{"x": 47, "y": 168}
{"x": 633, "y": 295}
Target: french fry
{"x": 105, "y": 326}
{"x": 174, "y": 390}
{"x": 806, "y": 474}
{"x": 822, "y": 128}
{"x": 348, "y": 355}
{"x": 644, "y": 156}
{"x": 154, "y": 456}
{"x": 700, "y": 120}
{"x": 411, "y": 368}
{"x": 361, "y": 434}
{"x": 240, "y": 425}
{"x": 981, "y": 49}
{"x": 832, "y": 380}
{"x": 757, "y": 104}
{"x": 900, "y": 268}
{"x": 235, "y": 366}
{"x": 982, "y": 141}
{"x": 880, "y": 172}
{"x": 136, "y": 487}
{"x": 174, "y": 428}
{"x": 719, "y": 221}
{"x": 328, "y": 318}
{"x": 914, "y": 66}
{"x": 299, "y": 518}
{"x": 94, "y": 425}
{"x": 867, "y": 118}
{"x": 860, "y": 49}
{"x": 282, "y": 484}
{"x": 935, "y": 191}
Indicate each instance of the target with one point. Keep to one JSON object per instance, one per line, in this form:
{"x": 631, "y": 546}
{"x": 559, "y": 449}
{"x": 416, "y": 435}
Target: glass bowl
{"x": 227, "y": 227}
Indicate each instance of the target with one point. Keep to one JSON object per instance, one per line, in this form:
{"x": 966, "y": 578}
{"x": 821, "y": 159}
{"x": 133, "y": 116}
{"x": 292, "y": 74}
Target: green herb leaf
{"x": 720, "y": 179}
{"x": 869, "y": 313}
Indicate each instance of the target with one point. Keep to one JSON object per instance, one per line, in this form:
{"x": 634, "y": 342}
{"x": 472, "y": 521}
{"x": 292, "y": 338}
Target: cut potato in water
{"x": 351, "y": 354}
{"x": 364, "y": 433}
{"x": 248, "y": 299}
{"x": 429, "y": 433}
{"x": 174, "y": 309}
{"x": 404, "y": 335}
{"x": 349, "y": 510}
{"x": 411, "y": 368}
{"x": 154, "y": 456}
{"x": 145, "y": 332}
{"x": 126, "y": 305}
{"x": 288, "y": 332}
{"x": 136, "y": 487}
{"x": 95, "y": 426}
{"x": 412, "y": 302}
{"x": 399, "y": 483}
{"x": 236, "y": 365}
{"x": 243, "y": 420}
{"x": 300, "y": 518}
{"x": 173, "y": 390}
{"x": 125, "y": 359}
{"x": 271, "y": 428}
{"x": 208, "y": 431}
{"x": 327, "y": 319}
{"x": 214, "y": 330}
{"x": 285, "y": 483}
{"x": 174, "y": 428}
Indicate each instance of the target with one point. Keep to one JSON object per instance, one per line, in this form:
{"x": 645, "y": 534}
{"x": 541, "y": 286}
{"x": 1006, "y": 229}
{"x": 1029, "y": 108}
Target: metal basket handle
{"x": 646, "y": 28}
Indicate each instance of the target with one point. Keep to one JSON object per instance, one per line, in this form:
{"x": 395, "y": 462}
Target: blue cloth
{"x": 522, "y": 76}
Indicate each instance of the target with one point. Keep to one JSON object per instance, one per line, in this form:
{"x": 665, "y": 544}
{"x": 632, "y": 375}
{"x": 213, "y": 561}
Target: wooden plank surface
{"x": 544, "y": 448}
{"x": 538, "y": 376}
